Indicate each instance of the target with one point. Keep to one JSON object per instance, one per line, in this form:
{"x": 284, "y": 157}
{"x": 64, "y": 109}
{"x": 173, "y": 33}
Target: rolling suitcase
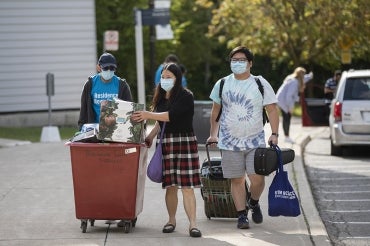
{"x": 216, "y": 193}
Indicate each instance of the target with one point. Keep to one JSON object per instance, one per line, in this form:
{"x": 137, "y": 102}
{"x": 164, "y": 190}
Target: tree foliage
{"x": 119, "y": 15}
{"x": 293, "y": 31}
{"x": 202, "y": 56}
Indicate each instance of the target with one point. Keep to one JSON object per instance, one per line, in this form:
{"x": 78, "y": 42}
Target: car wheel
{"x": 335, "y": 150}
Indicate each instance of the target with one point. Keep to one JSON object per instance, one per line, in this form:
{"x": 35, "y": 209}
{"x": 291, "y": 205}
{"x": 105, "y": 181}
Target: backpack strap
{"x": 265, "y": 118}
{"x": 220, "y": 95}
{"x": 260, "y": 87}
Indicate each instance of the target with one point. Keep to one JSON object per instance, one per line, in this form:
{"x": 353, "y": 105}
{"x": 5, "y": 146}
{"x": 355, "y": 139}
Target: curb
{"x": 316, "y": 229}
{"x": 4, "y": 143}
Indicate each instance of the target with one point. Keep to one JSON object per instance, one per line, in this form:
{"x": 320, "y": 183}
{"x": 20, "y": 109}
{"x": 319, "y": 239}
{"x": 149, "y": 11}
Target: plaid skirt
{"x": 180, "y": 160}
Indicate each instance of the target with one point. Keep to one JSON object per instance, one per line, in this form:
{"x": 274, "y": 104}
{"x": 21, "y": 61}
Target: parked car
{"x": 349, "y": 118}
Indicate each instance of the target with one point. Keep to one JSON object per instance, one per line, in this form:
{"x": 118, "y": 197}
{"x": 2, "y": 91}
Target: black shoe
{"x": 195, "y": 232}
{"x": 168, "y": 228}
{"x": 257, "y": 216}
{"x": 243, "y": 222}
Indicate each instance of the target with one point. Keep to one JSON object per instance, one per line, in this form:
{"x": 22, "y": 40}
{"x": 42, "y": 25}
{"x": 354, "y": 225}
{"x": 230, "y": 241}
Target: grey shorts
{"x": 236, "y": 163}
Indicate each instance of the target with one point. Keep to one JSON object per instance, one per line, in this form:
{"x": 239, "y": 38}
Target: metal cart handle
{"x": 207, "y": 150}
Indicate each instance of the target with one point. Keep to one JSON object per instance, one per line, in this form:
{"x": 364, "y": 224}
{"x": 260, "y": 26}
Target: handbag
{"x": 155, "y": 168}
{"x": 266, "y": 159}
{"x": 282, "y": 200}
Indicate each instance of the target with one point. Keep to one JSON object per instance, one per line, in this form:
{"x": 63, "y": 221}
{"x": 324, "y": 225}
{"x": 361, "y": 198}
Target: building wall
{"x": 40, "y": 37}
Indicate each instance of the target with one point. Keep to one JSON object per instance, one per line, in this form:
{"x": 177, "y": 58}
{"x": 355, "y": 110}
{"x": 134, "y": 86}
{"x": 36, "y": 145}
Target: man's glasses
{"x": 111, "y": 68}
{"x": 238, "y": 59}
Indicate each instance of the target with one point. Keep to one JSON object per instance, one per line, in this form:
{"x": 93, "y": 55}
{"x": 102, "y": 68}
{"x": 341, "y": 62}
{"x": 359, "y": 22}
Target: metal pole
{"x": 49, "y": 92}
{"x": 49, "y": 115}
{"x": 139, "y": 57}
{"x": 152, "y": 39}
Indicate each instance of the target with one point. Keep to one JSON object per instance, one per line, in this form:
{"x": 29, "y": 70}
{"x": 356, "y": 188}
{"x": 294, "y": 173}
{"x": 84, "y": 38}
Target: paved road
{"x": 341, "y": 188}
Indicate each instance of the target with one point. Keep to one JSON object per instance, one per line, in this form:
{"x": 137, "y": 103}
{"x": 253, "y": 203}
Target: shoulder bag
{"x": 155, "y": 168}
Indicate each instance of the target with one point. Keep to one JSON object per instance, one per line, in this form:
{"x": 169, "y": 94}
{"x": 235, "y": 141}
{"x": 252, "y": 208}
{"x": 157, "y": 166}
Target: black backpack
{"x": 260, "y": 88}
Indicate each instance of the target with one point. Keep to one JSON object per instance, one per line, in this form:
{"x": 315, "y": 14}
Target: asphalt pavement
{"x": 37, "y": 205}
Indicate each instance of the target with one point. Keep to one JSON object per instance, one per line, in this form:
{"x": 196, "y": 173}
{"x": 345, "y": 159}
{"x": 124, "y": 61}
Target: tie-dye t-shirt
{"x": 241, "y": 125}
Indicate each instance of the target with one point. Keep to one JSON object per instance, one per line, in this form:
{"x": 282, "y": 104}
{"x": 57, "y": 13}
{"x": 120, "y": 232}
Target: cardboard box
{"x": 115, "y": 122}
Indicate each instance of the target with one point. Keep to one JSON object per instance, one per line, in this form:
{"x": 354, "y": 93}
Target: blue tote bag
{"x": 155, "y": 169}
{"x": 282, "y": 200}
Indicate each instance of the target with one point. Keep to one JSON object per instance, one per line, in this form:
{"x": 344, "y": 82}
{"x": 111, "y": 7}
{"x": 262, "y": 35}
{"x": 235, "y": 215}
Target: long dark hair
{"x": 160, "y": 93}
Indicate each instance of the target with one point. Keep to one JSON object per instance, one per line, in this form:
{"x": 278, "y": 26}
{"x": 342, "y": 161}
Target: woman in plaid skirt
{"x": 174, "y": 105}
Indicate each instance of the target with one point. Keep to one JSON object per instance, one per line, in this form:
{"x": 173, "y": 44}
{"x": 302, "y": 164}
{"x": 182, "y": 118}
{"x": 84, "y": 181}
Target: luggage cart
{"x": 108, "y": 182}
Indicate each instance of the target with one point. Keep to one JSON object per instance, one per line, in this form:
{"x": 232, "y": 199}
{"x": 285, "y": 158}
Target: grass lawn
{"x": 33, "y": 134}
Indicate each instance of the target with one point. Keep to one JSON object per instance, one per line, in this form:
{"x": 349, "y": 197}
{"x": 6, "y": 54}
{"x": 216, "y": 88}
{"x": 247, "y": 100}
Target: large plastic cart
{"x": 108, "y": 181}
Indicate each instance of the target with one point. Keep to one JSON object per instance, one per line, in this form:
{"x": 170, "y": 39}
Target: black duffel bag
{"x": 266, "y": 160}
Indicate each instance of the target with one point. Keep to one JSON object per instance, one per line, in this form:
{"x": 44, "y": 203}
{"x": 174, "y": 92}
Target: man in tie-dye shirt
{"x": 240, "y": 130}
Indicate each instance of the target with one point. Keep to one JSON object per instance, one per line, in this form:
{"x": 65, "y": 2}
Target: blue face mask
{"x": 107, "y": 75}
{"x": 238, "y": 67}
{"x": 167, "y": 84}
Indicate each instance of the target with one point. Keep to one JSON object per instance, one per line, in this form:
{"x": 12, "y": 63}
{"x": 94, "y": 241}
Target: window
{"x": 357, "y": 89}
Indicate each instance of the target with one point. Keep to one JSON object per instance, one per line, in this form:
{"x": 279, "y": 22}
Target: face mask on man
{"x": 238, "y": 67}
{"x": 167, "y": 84}
{"x": 107, "y": 75}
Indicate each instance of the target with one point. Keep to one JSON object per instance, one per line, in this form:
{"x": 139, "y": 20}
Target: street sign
{"x": 163, "y": 32}
{"x": 152, "y": 17}
{"x": 111, "y": 40}
{"x": 345, "y": 43}
{"x": 346, "y": 56}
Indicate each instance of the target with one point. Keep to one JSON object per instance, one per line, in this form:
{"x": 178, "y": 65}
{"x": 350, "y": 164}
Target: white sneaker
{"x": 289, "y": 140}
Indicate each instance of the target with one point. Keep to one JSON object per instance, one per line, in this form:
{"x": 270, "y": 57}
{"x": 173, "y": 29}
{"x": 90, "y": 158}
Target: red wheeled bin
{"x": 108, "y": 181}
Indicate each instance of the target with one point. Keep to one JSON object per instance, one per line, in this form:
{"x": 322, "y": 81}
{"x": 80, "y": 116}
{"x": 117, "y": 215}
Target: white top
{"x": 241, "y": 125}
{"x": 287, "y": 94}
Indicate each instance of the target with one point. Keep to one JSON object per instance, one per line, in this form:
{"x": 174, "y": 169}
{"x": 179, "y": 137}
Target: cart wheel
{"x": 127, "y": 226}
{"x": 92, "y": 222}
{"x": 83, "y": 226}
{"x": 133, "y": 222}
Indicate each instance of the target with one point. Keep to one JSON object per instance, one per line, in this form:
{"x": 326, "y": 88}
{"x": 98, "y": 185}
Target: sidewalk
{"x": 37, "y": 205}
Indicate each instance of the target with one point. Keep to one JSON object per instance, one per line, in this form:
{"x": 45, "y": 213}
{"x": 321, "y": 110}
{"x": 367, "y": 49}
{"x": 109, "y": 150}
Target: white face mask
{"x": 167, "y": 84}
{"x": 238, "y": 67}
{"x": 107, "y": 75}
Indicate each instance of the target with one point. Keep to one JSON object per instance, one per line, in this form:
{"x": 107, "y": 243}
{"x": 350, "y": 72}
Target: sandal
{"x": 168, "y": 228}
{"x": 195, "y": 232}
